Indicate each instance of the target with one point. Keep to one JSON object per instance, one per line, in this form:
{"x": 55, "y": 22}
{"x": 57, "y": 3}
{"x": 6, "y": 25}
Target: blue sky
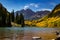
{"x": 35, "y": 5}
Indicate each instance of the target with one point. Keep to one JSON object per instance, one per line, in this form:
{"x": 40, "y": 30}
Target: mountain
{"x": 52, "y": 19}
{"x": 31, "y": 15}
{"x": 55, "y": 12}
{"x": 27, "y": 13}
{"x": 40, "y": 14}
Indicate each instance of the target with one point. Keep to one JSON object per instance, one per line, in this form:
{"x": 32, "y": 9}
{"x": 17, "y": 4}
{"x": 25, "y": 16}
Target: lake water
{"x": 26, "y": 33}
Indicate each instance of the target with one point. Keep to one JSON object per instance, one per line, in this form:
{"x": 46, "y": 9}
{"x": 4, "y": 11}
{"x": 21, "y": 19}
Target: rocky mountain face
{"x": 27, "y": 13}
{"x": 40, "y": 14}
{"x": 31, "y": 15}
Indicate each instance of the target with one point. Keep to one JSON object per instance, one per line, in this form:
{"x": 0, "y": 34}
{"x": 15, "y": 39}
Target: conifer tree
{"x": 17, "y": 17}
{"x": 22, "y": 20}
{"x": 12, "y": 16}
{"x": 3, "y": 13}
{"x": 9, "y": 21}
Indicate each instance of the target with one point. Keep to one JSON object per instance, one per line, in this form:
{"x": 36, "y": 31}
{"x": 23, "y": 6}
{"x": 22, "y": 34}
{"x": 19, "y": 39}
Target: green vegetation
{"x": 7, "y": 19}
{"x": 17, "y": 16}
{"x": 12, "y": 16}
{"x": 3, "y": 15}
{"x": 20, "y": 19}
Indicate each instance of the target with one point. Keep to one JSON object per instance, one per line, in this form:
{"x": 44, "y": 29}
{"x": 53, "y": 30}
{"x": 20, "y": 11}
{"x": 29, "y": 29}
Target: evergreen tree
{"x": 12, "y": 16}
{"x": 9, "y": 21}
{"x": 22, "y": 20}
{"x": 17, "y": 17}
{"x": 3, "y": 20}
{"x": 0, "y": 18}
{"x": 4, "y": 17}
{"x": 3, "y": 13}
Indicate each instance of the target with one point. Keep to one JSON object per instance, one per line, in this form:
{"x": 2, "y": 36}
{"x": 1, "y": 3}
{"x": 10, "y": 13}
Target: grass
{"x": 15, "y": 24}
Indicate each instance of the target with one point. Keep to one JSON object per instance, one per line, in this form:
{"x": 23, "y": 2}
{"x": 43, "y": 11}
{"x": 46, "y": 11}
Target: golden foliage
{"x": 50, "y": 22}
{"x": 41, "y": 24}
{"x": 28, "y": 23}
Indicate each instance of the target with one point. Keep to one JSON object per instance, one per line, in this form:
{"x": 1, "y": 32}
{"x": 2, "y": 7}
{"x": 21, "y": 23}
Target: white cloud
{"x": 31, "y": 5}
{"x": 26, "y": 6}
{"x": 36, "y": 6}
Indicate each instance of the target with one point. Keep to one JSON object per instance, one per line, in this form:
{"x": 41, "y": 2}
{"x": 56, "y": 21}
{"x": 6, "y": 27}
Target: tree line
{"x": 6, "y": 18}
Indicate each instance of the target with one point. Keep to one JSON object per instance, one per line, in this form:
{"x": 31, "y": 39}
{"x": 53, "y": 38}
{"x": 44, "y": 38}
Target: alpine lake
{"x": 26, "y": 33}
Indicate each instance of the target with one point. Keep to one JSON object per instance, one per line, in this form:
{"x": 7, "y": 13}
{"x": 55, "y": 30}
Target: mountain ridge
{"x": 31, "y": 15}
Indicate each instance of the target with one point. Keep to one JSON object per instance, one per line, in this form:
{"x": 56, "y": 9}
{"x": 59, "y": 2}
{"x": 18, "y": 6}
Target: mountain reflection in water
{"x": 26, "y": 33}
